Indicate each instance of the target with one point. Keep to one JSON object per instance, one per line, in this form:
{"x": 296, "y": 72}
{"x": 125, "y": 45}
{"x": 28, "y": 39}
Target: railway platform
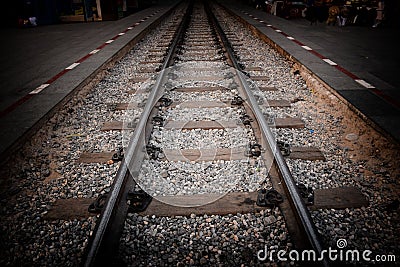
{"x": 40, "y": 66}
{"x": 359, "y": 63}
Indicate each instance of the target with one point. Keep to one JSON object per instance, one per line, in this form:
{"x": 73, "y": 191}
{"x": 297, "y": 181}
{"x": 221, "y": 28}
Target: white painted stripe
{"x": 278, "y": 30}
{"x": 142, "y": 20}
{"x": 39, "y": 89}
{"x": 269, "y": 25}
{"x": 121, "y": 33}
{"x": 261, "y": 21}
{"x": 306, "y": 47}
{"x": 290, "y": 38}
{"x": 256, "y": 18}
{"x": 364, "y": 83}
{"x": 94, "y": 51}
{"x": 109, "y": 41}
{"x": 130, "y": 28}
{"x": 330, "y": 62}
{"x": 72, "y": 66}
{"x": 137, "y": 23}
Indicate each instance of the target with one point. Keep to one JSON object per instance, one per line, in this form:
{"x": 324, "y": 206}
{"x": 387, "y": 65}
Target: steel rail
{"x": 296, "y": 201}
{"x": 104, "y": 242}
{"x": 103, "y": 245}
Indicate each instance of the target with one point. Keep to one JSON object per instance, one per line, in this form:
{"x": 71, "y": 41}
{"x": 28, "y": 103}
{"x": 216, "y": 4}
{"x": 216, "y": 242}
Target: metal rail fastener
{"x": 301, "y": 211}
{"x": 103, "y": 245}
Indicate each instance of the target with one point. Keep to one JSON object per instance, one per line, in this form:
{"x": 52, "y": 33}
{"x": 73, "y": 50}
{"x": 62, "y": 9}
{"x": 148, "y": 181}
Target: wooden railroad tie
{"x": 206, "y": 125}
{"x": 201, "y": 78}
{"x": 306, "y": 153}
{"x": 199, "y": 155}
{"x": 199, "y": 89}
{"x": 230, "y": 203}
{"x": 259, "y": 78}
{"x": 339, "y": 198}
{"x": 288, "y": 123}
{"x": 254, "y": 68}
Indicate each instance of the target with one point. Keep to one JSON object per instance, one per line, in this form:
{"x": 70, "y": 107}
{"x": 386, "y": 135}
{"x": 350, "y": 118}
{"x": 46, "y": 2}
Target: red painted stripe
{"x": 389, "y": 99}
{"x": 15, "y": 105}
{"x": 84, "y": 58}
{"x": 343, "y": 70}
{"x": 284, "y": 34}
{"x": 316, "y": 53}
{"x": 61, "y": 73}
{"x": 115, "y": 37}
{"x": 102, "y": 46}
{"x": 298, "y": 42}
{"x": 348, "y": 73}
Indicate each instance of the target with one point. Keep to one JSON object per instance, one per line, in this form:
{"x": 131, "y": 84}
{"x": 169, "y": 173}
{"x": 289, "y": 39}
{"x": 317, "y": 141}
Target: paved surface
{"x": 364, "y": 54}
{"x": 38, "y": 70}
{"x": 39, "y": 66}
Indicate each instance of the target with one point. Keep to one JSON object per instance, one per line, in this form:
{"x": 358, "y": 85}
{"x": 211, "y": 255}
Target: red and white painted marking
{"x": 39, "y": 89}
{"x": 94, "y": 51}
{"x": 43, "y": 86}
{"x": 330, "y": 62}
{"x": 306, "y": 47}
{"x": 365, "y": 84}
{"x": 72, "y": 66}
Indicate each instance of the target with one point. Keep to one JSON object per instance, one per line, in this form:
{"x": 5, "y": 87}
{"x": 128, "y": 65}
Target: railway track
{"x": 216, "y": 127}
{"x": 177, "y": 159}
